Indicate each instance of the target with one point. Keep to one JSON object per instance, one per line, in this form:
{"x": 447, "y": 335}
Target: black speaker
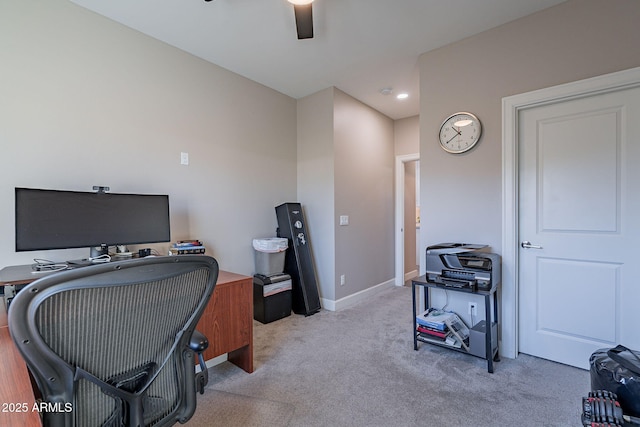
{"x": 298, "y": 262}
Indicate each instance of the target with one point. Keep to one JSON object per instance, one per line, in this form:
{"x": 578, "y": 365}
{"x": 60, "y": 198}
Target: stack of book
{"x": 182, "y": 247}
{"x": 442, "y": 327}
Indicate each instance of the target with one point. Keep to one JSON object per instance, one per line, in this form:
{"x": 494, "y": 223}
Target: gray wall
{"x": 85, "y": 101}
{"x": 406, "y": 134}
{"x": 316, "y": 183}
{"x": 575, "y": 40}
{"x": 345, "y": 166}
{"x": 363, "y": 141}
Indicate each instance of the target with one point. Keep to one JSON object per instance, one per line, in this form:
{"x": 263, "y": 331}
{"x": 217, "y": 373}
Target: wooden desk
{"x": 15, "y": 386}
{"x": 227, "y": 322}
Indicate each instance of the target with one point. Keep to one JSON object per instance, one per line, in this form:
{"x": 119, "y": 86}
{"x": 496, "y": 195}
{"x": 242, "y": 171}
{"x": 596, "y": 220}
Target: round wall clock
{"x": 460, "y": 132}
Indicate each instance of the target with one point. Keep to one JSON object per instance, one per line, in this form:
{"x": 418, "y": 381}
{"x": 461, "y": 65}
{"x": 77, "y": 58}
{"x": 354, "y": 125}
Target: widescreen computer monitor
{"x": 56, "y": 219}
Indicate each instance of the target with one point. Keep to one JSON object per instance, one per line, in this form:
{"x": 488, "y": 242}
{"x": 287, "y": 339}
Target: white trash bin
{"x": 269, "y": 255}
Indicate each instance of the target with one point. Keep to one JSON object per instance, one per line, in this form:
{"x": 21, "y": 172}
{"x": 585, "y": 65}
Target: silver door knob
{"x": 527, "y": 245}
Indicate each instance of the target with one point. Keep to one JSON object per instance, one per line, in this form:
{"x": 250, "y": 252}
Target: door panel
{"x": 575, "y": 180}
{"x": 587, "y": 278}
{"x": 578, "y": 201}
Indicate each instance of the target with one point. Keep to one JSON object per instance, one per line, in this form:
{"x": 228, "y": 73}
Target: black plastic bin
{"x": 271, "y": 297}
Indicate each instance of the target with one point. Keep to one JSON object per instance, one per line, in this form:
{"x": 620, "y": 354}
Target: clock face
{"x": 460, "y": 132}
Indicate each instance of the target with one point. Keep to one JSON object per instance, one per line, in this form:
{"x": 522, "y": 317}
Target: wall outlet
{"x": 184, "y": 158}
{"x": 473, "y": 308}
{"x": 342, "y": 280}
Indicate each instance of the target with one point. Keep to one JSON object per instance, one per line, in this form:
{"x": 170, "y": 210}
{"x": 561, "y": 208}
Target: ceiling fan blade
{"x": 304, "y": 20}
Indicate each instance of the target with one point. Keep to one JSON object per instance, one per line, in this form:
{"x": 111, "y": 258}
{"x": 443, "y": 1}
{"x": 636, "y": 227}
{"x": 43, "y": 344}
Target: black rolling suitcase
{"x": 618, "y": 370}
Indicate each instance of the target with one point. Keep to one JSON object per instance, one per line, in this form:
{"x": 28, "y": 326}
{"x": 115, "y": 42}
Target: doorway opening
{"x": 407, "y": 239}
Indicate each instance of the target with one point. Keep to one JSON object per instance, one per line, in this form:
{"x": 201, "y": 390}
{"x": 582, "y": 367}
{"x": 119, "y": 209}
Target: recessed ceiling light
{"x": 402, "y": 95}
{"x": 300, "y": 2}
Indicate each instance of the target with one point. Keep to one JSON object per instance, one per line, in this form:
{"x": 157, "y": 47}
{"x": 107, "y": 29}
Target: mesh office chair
{"x": 111, "y": 344}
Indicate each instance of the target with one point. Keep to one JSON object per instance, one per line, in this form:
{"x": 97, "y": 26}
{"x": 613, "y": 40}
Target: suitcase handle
{"x": 614, "y": 354}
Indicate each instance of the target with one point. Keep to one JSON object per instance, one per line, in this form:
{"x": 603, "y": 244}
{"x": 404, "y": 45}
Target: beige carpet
{"x": 357, "y": 368}
{"x": 239, "y": 411}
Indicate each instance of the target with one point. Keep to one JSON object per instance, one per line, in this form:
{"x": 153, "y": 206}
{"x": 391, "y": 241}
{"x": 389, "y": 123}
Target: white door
{"x": 579, "y": 201}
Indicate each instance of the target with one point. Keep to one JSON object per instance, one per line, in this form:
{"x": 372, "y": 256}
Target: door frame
{"x": 511, "y": 108}
{"x": 399, "y": 213}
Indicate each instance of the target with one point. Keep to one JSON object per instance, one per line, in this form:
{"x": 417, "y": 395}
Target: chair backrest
{"x": 108, "y": 344}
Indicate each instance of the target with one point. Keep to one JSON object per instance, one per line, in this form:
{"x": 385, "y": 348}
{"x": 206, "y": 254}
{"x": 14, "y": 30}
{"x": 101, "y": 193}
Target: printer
{"x": 463, "y": 266}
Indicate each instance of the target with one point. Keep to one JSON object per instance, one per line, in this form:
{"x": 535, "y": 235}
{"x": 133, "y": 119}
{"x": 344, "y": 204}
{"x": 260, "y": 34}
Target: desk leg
{"x": 496, "y": 358}
{"x": 242, "y": 357}
{"x": 415, "y": 336}
{"x": 426, "y": 298}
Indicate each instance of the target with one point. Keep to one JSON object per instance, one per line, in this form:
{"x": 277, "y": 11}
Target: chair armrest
{"x": 199, "y": 342}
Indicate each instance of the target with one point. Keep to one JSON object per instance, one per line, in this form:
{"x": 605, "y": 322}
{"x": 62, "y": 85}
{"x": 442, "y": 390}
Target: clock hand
{"x": 454, "y": 136}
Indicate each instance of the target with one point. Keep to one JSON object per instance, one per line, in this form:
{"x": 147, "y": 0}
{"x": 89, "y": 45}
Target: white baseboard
{"x": 354, "y": 299}
{"x": 213, "y": 362}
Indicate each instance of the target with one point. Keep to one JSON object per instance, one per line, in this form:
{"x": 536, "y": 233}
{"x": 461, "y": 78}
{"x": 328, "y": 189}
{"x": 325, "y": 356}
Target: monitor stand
{"x": 75, "y": 263}
{"x": 96, "y": 256}
{"x": 97, "y": 251}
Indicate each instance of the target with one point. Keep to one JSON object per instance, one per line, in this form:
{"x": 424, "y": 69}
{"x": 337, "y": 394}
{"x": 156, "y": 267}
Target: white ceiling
{"x": 360, "y": 46}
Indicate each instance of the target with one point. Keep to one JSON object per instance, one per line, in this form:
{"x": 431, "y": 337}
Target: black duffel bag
{"x": 618, "y": 370}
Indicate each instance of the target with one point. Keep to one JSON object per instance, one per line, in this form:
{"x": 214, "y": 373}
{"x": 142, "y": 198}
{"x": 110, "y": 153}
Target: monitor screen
{"x": 54, "y": 219}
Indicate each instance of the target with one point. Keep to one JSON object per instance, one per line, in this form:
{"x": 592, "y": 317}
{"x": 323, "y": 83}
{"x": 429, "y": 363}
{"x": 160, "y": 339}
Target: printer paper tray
{"x": 458, "y": 284}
